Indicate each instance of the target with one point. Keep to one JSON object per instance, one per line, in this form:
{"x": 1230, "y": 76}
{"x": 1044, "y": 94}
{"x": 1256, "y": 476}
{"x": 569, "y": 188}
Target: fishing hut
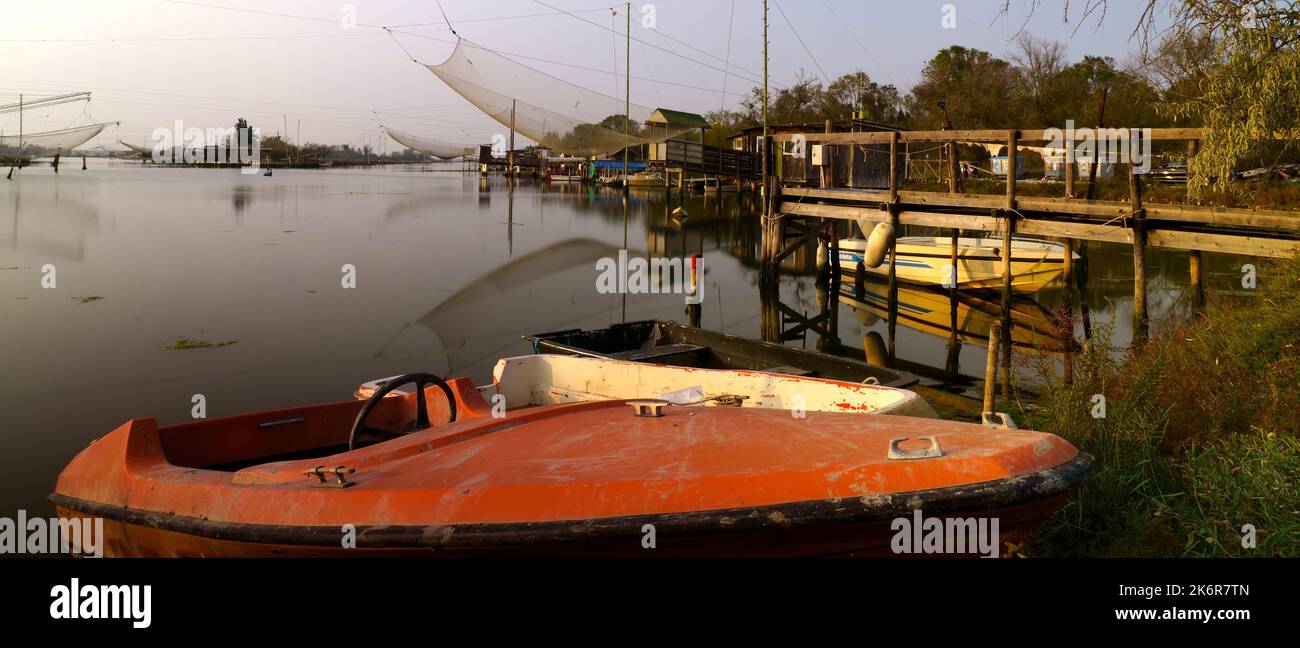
{"x": 694, "y": 162}
{"x": 518, "y": 161}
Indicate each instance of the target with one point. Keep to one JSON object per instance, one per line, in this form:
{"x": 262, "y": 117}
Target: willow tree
{"x": 1253, "y": 93}
{"x": 1248, "y": 98}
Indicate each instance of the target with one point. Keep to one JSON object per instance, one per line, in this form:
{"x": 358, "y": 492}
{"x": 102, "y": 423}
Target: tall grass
{"x": 1201, "y": 434}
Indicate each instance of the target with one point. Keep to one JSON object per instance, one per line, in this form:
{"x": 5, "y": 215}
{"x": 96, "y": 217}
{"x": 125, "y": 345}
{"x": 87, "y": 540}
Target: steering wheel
{"x": 421, "y": 380}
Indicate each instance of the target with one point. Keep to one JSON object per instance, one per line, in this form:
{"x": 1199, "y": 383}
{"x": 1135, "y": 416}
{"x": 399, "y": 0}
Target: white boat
{"x": 547, "y": 379}
{"x": 712, "y": 185}
{"x": 647, "y": 179}
{"x": 556, "y": 177}
{"x": 927, "y": 260}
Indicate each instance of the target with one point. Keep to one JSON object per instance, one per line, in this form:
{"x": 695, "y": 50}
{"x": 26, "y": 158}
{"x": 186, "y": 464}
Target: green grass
{"x": 1201, "y": 435}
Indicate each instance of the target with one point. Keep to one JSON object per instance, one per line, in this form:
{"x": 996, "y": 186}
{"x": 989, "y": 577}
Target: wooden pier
{"x": 678, "y": 158}
{"x": 798, "y": 212}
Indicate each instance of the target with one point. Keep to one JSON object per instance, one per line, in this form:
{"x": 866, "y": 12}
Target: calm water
{"x": 451, "y": 270}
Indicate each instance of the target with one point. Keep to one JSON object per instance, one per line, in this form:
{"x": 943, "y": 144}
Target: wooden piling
{"x": 1010, "y": 226}
{"x": 56, "y": 162}
{"x": 1013, "y": 137}
{"x": 893, "y": 289}
{"x": 1194, "y": 267}
{"x": 834, "y": 252}
{"x": 772, "y": 226}
{"x": 991, "y": 368}
{"x": 893, "y": 167}
{"x": 893, "y": 243}
{"x": 1067, "y": 308}
{"x": 828, "y": 161}
{"x": 510, "y": 155}
{"x": 954, "y": 181}
{"x": 1069, "y": 172}
{"x": 954, "y": 340}
{"x": 1140, "y": 323}
{"x": 1194, "y": 258}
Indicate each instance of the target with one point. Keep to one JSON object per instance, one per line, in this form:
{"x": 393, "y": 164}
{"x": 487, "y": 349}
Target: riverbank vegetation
{"x": 1198, "y": 444}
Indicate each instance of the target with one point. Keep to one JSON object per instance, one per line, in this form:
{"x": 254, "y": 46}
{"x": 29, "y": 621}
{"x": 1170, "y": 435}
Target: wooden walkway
{"x": 796, "y": 215}
{"x": 1268, "y": 233}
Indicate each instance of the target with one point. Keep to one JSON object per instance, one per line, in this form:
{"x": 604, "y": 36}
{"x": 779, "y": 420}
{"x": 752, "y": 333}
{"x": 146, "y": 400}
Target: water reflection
{"x": 49, "y": 221}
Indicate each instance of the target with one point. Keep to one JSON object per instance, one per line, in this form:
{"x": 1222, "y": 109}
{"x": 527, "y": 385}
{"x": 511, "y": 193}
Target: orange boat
{"x": 435, "y": 473}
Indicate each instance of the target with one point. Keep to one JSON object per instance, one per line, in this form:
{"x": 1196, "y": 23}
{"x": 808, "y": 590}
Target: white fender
{"x": 878, "y": 244}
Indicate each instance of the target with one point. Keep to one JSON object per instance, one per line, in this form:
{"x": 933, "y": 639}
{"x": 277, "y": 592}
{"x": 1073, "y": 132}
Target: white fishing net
{"x": 428, "y": 146}
{"x": 142, "y": 150}
{"x": 548, "y": 110}
{"x": 50, "y": 142}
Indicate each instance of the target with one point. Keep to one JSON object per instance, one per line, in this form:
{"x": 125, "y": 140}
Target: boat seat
{"x": 787, "y": 369}
{"x": 657, "y": 352}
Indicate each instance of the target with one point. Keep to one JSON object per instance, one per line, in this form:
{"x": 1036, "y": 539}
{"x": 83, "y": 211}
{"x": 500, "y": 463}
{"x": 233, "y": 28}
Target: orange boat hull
{"x": 585, "y": 479}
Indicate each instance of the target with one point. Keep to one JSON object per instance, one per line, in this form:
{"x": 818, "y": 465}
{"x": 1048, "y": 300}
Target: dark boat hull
{"x": 666, "y": 342}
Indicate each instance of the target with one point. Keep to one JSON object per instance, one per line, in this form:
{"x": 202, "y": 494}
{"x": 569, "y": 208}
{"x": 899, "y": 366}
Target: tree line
{"x": 1231, "y": 67}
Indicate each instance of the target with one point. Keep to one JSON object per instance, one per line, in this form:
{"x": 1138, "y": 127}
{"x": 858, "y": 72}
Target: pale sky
{"x": 149, "y": 63}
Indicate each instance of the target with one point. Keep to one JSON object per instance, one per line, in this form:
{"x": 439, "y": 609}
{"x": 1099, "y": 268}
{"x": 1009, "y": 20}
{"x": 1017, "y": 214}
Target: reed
{"x": 1201, "y": 434}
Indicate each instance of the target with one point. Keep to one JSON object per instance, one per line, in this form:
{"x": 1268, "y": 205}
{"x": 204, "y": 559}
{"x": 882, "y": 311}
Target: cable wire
{"x": 825, "y": 77}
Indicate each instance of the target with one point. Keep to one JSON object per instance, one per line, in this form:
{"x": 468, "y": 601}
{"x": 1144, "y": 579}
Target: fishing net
{"x": 550, "y": 111}
{"x": 50, "y": 142}
{"x": 428, "y": 146}
{"x": 142, "y": 150}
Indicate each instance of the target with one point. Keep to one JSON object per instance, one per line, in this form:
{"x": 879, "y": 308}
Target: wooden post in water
{"x": 893, "y": 243}
{"x": 991, "y": 368}
{"x": 510, "y": 155}
{"x": 893, "y": 168}
{"x": 954, "y": 341}
{"x": 827, "y": 181}
{"x": 834, "y": 252}
{"x": 828, "y": 164}
{"x": 1067, "y": 307}
{"x": 893, "y": 283}
{"x": 1012, "y": 140}
{"x": 1194, "y": 258}
{"x": 1069, "y": 172}
{"x": 56, "y": 162}
{"x": 1140, "y": 323}
{"x": 83, "y": 163}
{"x": 1194, "y": 266}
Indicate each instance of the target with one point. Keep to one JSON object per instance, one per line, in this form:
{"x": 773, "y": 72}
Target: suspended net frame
{"x": 50, "y": 142}
{"x": 428, "y": 146}
{"x": 555, "y": 113}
